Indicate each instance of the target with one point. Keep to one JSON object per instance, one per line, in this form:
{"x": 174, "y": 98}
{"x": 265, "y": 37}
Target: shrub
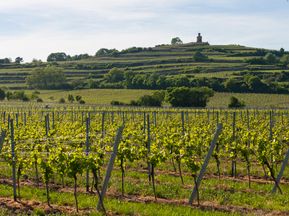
{"x": 116, "y": 103}
{"x": 149, "y": 100}
{"x": 78, "y": 98}
{"x": 155, "y": 100}
{"x": 61, "y": 100}
{"x": 39, "y": 100}
{"x": 25, "y": 98}
{"x": 70, "y": 98}
{"x": 236, "y": 103}
{"x": 81, "y": 102}
{"x": 133, "y": 103}
{"x": 189, "y": 97}
{"x": 200, "y": 57}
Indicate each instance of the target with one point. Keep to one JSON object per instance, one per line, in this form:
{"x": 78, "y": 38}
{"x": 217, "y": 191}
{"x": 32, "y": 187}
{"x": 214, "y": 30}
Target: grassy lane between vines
{"x": 225, "y": 194}
{"x": 33, "y": 200}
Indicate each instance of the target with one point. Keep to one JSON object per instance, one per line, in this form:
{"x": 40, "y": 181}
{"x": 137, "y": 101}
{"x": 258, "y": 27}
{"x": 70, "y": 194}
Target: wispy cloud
{"x": 35, "y": 28}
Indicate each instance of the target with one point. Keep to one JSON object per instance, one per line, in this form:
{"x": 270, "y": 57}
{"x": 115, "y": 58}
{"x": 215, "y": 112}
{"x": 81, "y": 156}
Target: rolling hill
{"x": 224, "y": 62}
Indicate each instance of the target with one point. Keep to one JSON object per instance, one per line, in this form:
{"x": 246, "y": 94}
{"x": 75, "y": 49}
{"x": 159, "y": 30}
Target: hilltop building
{"x": 199, "y": 38}
{"x": 200, "y": 41}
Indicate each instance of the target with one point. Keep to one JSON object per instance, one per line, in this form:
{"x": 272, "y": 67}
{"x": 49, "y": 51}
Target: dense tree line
{"x": 115, "y": 52}
{"x": 271, "y": 58}
{"x": 5, "y": 61}
{"x": 61, "y": 56}
{"x": 17, "y": 60}
{"x": 120, "y": 78}
{"x": 51, "y": 77}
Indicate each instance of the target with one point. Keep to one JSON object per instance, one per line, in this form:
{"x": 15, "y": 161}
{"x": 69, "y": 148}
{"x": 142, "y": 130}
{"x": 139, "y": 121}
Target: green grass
{"x": 95, "y": 96}
{"x": 251, "y": 100}
{"x": 114, "y": 206}
{"x": 219, "y": 100}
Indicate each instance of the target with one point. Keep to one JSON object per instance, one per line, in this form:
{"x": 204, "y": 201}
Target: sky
{"x": 35, "y": 28}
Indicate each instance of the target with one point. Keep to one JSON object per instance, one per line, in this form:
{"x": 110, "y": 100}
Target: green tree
{"x": 234, "y": 85}
{"x": 271, "y": 58}
{"x": 107, "y": 52}
{"x": 18, "y": 60}
{"x": 49, "y": 77}
{"x": 115, "y": 75}
{"x": 285, "y": 59}
{"x": 189, "y": 97}
{"x": 59, "y": 56}
{"x": 5, "y": 61}
{"x": 37, "y": 62}
{"x": 181, "y": 80}
{"x": 176, "y": 41}
{"x": 255, "y": 84}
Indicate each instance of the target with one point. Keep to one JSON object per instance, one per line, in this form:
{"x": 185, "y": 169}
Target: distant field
{"x": 95, "y": 96}
{"x": 220, "y": 100}
{"x": 251, "y": 100}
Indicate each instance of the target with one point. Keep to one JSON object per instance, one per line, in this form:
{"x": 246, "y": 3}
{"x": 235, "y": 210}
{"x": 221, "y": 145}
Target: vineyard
{"x": 136, "y": 161}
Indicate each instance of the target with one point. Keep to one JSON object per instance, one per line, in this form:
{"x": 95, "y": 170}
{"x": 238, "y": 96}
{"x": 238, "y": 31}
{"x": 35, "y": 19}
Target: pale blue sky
{"x": 35, "y": 28}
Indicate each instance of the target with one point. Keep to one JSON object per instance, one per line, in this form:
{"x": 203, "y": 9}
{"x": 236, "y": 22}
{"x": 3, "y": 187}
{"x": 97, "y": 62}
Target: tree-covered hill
{"x": 224, "y": 68}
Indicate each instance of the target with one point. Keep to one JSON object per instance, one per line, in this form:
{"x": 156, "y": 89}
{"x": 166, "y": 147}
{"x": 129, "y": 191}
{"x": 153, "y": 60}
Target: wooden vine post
{"x": 13, "y": 160}
{"x": 149, "y": 145}
{"x": 183, "y": 122}
{"x": 4, "y": 117}
{"x": 2, "y": 139}
{"x": 109, "y": 168}
{"x": 17, "y": 119}
{"x": 102, "y": 124}
{"x": 234, "y": 163}
{"x": 144, "y": 122}
{"x": 25, "y": 119}
{"x": 87, "y": 151}
{"x": 206, "y": 162}
{"x": 271, "y": 125}
{"x": 53, "y": 120}
{"x": 47, "y": 127}
{"x": 284, "y": 164}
